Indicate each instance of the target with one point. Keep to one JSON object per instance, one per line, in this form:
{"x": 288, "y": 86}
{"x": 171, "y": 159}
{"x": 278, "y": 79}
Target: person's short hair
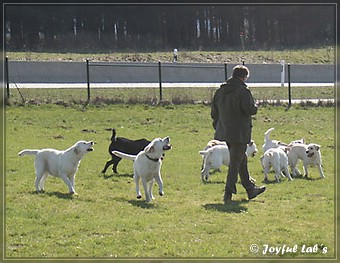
{"x": 240, "y": 71}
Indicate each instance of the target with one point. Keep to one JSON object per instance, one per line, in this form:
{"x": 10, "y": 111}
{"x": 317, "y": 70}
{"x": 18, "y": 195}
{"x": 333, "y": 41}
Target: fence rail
{"x": 122, "y": 74}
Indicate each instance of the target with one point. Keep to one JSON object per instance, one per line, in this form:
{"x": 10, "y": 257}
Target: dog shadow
{"x": 232, "y": 207}
{"x": 137, "y": 203}
{"x": 141, "y": 204}
{"x": 105, "y": 176}
{"x": 271, "y": 181}
{"x": 60, "y": 195}
{"x": 303, "y": 177}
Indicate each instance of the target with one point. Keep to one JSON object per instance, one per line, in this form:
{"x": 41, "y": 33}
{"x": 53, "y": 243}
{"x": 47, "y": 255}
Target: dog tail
{"x": 204, "y": 153}
{"x": 113, "y": 137}
{"x": 28, "y": 152}
{"x": 124, "y": 155}
{"x": 266, "y": 135}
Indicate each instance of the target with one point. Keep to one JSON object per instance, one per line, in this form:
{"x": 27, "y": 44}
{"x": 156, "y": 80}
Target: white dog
{"x": 147, "y": 166}
{"x": 218, "y": 155}
{"x": 250, "y": 151}
{"x": 63, "y": 164}
{"x": 309, "y": 154}
{"x": 268, "y": 143}
{"x": 276, "y": 158}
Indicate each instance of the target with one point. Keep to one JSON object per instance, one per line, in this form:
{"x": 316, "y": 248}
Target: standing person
{"x": 231, "y": 111}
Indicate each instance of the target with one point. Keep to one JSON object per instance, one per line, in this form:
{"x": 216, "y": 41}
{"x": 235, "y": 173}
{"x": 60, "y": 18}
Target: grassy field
{"x": 151, "y": 95}
{"x": 107, "y": 221}
{"x": 320, "y": 55}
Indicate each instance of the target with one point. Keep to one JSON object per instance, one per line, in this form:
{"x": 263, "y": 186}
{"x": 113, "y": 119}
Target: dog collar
{"x": 152, "y": 159}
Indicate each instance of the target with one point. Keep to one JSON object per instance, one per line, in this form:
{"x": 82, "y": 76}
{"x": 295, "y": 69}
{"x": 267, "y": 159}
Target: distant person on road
{"x": 231, "y": 110}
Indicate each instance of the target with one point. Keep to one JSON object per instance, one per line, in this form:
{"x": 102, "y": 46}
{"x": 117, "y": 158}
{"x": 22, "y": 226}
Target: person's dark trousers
{"x": 238, "y": 165}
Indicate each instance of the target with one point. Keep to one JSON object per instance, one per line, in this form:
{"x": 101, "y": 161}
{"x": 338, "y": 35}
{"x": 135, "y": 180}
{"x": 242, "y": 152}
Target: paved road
{"x": 110, "y": 73}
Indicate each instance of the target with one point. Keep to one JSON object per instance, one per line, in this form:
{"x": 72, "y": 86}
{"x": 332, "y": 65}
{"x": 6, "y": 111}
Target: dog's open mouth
{"x": 167, "y": 147}
{"x": 310, "y": 154}
{"x": 90, "y": 149}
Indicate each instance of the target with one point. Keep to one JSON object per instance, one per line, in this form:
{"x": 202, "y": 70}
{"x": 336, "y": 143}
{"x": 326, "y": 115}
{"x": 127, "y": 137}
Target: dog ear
{"x": 76, "y": 150}
{"x": 149, "y": 148}
{"x": 317, "y": 147}
{"x": 251, "y": 143}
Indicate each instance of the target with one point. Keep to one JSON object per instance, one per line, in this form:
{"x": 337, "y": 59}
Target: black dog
{"x": 123, "y": 145}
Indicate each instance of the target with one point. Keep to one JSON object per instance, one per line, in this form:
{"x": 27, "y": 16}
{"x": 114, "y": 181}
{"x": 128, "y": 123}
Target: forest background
{"x": 164, "y": 27}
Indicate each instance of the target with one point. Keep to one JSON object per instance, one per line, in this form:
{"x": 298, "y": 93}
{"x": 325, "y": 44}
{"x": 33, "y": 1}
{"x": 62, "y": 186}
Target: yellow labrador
{"x": 309, "y": 154}
{"x": 147, "y": 166}
{"x": 63, "y": 164}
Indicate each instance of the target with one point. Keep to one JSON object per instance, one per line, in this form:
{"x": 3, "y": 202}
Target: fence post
{"x": 282, "y": 73}
{"x": 289, "y": 89}
{"x": 225, "y": 71}
{"x": 7, "y": 78}
{"x": 160, "y": 81}
{"x": 88, "y": 79}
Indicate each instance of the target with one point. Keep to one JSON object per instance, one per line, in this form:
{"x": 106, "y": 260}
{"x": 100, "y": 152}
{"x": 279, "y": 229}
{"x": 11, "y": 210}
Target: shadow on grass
{"x": 56, "y": 194}
{"x": 213, "y": 182}
{"x": 232, "y": 207}
{"x": 141, "y": 204}
{"x": 271, "y": 181}
{"x": 297, "y": 177}
{"x": 303, "y": 177}
{"x": 117, "y": 175}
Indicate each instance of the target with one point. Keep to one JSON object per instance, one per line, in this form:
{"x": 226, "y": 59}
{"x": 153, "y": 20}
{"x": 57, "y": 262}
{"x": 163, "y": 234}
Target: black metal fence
{"x": 157, "y": 69}
{"x": 152, "y": 77}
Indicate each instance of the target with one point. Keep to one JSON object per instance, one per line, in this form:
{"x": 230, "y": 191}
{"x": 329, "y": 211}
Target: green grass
{"x": 321, "y": 55}
{"x": 107, "y": 221}
{"x": 151, "y": 95}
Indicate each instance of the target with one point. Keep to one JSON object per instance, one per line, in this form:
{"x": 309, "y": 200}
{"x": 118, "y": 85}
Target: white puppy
{"x": 250, "y": 151}
{"x": 63, "y": 164}
{"x": 309, "y": 154}
{"x": 147, "y": 166}
{"x": 276, "y": 158}
{"x": 268, "y": 143}
{"x": 218, "y": 155}
{"x": 212, "y": 143}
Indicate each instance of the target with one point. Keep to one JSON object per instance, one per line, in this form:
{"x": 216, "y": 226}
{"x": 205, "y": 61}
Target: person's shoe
{"x": 255, "y": 191}
{"x": 227, "y": 198}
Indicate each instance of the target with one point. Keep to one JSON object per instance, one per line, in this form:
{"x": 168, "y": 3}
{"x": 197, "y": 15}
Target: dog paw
{"x": 161, "y": 193}
{"x": 139, "y": 196}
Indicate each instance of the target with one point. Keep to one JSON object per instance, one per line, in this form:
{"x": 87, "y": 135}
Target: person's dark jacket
{"x": 231, "y": 111}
